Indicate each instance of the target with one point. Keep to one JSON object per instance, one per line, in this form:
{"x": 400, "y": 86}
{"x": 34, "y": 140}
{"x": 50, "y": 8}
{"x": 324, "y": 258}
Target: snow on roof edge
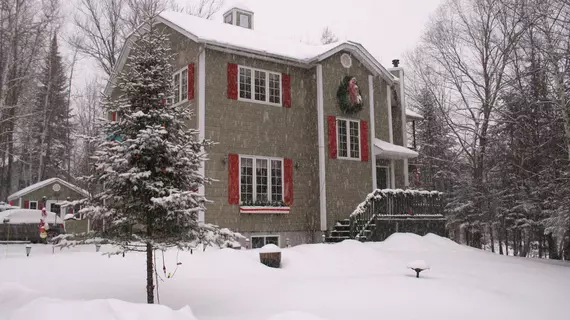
{"x": 413, "y": 115}
{"x": 41, "y": 184}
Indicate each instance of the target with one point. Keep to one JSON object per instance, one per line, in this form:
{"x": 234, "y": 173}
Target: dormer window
{"x": 239, "y": 16}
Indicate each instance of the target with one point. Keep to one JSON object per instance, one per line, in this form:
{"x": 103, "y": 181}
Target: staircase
{"x": 341, "y": 232}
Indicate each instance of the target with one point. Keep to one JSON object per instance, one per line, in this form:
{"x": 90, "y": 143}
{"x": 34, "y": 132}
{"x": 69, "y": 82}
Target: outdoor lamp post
{"x": 97, "y": 247}
{"x": 28, "y": 249}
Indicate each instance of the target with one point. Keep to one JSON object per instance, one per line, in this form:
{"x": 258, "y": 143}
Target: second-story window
{"x": 348, "y": 133}
{"x": 180, "y": 85}
{"x": 259, "y": 85}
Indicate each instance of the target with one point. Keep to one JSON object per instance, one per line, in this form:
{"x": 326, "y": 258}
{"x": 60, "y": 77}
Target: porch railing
{"x": 394, "y": 204}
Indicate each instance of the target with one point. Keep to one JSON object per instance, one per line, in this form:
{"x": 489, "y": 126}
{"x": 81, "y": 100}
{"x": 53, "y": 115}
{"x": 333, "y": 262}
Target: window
{"x": 228, "y": 18}
{"x": 348, "y": 135}
{"x": 34, "y": 205}
{"x": 261, "y": 181}
{"x": 260, "y": 241}
{"x": 180, "y": 79}
{"x": 244, "y": 20}
{"x": 266, "y": 85}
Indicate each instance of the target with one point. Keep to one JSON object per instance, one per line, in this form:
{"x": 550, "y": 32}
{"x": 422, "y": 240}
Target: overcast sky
{"x": 386, "y": 28}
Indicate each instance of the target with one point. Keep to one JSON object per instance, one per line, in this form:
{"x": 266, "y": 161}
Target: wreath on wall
{"x": 348, "y": 95}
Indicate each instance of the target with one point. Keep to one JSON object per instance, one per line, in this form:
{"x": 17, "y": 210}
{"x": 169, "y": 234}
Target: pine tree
{"x": 51, "y": 129}
{"x": 148, "y": 165}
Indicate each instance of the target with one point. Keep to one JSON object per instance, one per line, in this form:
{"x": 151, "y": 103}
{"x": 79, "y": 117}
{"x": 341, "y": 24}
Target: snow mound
{"x": 418, "y": 264}
{"x": 269, "y": 248}
{"x": 442, "y": 242}
{"x": 294, "y": 315}
{"x": 14, "y": 295}
{"x": 55, "y": 309}
{"x": 404, "y": 242}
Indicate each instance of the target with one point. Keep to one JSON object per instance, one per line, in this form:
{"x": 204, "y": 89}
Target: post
{"x": 28, "y": 249}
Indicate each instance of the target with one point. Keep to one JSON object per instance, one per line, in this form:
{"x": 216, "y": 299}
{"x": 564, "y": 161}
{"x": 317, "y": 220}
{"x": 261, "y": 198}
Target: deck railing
{"x": 395, "y": 204}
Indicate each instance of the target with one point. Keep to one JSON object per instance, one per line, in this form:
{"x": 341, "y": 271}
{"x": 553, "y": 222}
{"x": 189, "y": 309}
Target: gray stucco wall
{"x": 262, "y": 130}
{"x": 347, "y": 181}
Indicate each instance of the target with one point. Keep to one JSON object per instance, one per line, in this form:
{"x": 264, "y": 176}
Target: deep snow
{"x": 349, "y": 280}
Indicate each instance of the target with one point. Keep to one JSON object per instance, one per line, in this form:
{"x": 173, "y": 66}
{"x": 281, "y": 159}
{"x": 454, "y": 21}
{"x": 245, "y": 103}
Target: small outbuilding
{"x": 51, "y": 193}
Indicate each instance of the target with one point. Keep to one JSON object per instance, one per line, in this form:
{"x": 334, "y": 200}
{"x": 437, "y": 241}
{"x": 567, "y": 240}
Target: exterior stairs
{"x": 341, "y": 232}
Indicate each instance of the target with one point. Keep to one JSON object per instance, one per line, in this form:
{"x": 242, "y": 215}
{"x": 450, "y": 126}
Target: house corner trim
{"x": 372, "y": 129}
{"x": 202, "y": 116}
{"x": 321, "y": 139}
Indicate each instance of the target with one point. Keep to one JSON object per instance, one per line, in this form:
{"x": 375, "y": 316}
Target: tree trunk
{"x": 540, "y": 240}
{"x": 552, "y": 249}
{"x": 499, "y": 238}
{"x": 506, "y": 241}
{"x": 149, "y": 274}
{"x": 492, "y": 238}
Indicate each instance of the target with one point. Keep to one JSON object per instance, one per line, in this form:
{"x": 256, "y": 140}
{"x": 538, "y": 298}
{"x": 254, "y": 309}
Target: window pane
{"x": 274, "y": 88}
{"x": 260, "y": 85}
{"x": 272, "y": 240}
{"x": 276, "y": 181}
{"x": 228, "y": 18}
{"x": 342, "y": 139}
{"x": 33, "y": 205}
{"x": 244, "y": 20}
{"x": 261, "y": 179}
{"x": 184, "y": 86}
{"x": 245, "y": 83}
{"x": 257, "y": 242}
{"x": 246, "y": 179}
{"x": 354, "y": 143}
{"x": 177, "y": 88}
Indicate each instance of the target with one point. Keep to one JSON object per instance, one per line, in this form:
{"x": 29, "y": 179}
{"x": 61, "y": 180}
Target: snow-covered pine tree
{"x": 50, "y": 127}
{"x": 148, "y": 165}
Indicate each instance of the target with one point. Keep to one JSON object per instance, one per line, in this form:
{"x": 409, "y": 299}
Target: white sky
{"x": 387, "y": 29}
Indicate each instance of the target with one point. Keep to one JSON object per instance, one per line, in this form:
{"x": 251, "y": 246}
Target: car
{"x": 23, "y": 224}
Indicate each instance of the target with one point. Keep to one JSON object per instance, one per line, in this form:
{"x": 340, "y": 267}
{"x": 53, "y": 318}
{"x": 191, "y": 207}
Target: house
{"x": 51, "y": 193}
{"x": 289, "y": 161}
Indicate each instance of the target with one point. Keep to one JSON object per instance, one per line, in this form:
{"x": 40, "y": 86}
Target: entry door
{"x": 55, "y": 208}
{"x": 382, "y": 177}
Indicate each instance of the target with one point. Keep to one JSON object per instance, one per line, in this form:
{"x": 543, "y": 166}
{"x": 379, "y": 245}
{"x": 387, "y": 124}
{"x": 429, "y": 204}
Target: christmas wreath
{"x": 348, "y": 95}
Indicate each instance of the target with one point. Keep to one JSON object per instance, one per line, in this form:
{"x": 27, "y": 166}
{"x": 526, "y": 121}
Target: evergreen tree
{"x": 50, "y": 129}
{"x": 148, "y": 166}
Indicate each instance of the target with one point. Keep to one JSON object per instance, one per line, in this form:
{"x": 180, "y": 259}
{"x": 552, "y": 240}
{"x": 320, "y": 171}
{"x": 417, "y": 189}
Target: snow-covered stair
{"x": 341, "y": 231}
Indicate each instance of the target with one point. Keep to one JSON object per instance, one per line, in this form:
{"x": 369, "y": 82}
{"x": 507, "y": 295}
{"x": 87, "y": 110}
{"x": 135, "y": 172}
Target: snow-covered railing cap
{"x": 379, "y": 194}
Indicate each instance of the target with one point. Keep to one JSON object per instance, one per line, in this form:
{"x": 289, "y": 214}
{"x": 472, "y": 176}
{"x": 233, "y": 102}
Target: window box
{"x": 264, "y": 210}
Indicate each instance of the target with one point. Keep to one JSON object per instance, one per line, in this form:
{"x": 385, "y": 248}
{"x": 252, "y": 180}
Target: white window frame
{"x": 30, "y": 205}
{"x": 265, "y": 239}
{"x": 388, "y": 176}
{"x": 348, "y": 143}
{"x": 179, "y": 72}
{"x": 254, "y": 178}
{"x": 252, "y": 99}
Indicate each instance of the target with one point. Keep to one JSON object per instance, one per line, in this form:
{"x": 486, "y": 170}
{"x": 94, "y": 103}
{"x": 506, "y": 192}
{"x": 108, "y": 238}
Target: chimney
{"x": 239, "y": 16}
{"x": 395, "y": 63}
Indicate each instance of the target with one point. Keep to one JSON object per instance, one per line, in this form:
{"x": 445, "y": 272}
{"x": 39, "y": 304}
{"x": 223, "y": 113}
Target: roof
{"x": 44, "y": 183}
{"x": 392, "y": 151}
{"x": 411, "y": 115}
{"x": 223, "y": 36}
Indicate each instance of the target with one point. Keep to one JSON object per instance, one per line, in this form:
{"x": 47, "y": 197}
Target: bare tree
{"x": 470, "y": 44}
{"x": 327, "y": 36}
{"x": 202, "y": 8}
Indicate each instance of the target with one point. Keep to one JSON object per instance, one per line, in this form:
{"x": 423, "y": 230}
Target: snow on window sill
{"x": 256, "y": 209}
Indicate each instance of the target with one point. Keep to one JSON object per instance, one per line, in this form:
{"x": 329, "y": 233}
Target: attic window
{"x": 228, "y": 18}
{"x": 243, "y": 20}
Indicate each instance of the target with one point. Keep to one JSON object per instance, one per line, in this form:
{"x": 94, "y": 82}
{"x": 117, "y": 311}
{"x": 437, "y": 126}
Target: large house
{"x": 304, "y": 132}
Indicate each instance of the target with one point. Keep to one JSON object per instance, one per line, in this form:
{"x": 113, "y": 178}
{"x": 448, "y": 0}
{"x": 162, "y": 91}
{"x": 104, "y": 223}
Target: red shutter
{"x": 114, "y": 116}
{"x": 26, "y": 204}
{"x": 364, "y": 151}
{"x": 286, "y": 88}
{"x": 232, "y": 81}
{"x": 233, "y": 179}
{"x": 191, "y": 81}
{"x": 332, "y": 137}
{"x": 288, "y": 181}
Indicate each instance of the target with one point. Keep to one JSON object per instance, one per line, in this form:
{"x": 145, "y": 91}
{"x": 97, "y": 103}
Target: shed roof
{"x": 44, "y": 183}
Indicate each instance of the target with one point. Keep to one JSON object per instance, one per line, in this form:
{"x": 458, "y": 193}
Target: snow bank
{"x": 55, "y": 309}
{"x": 294, "y": 315}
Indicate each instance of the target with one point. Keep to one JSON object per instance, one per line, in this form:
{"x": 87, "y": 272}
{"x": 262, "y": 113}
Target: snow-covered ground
{"x": 349, "y": 280}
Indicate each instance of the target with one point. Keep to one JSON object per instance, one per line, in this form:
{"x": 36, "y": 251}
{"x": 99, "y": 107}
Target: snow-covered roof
{"x": 44, "y": 183}
{"x": 223, "y": 36}
{"x": 411, "y": 115}
{"x": 391, "y": 151}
